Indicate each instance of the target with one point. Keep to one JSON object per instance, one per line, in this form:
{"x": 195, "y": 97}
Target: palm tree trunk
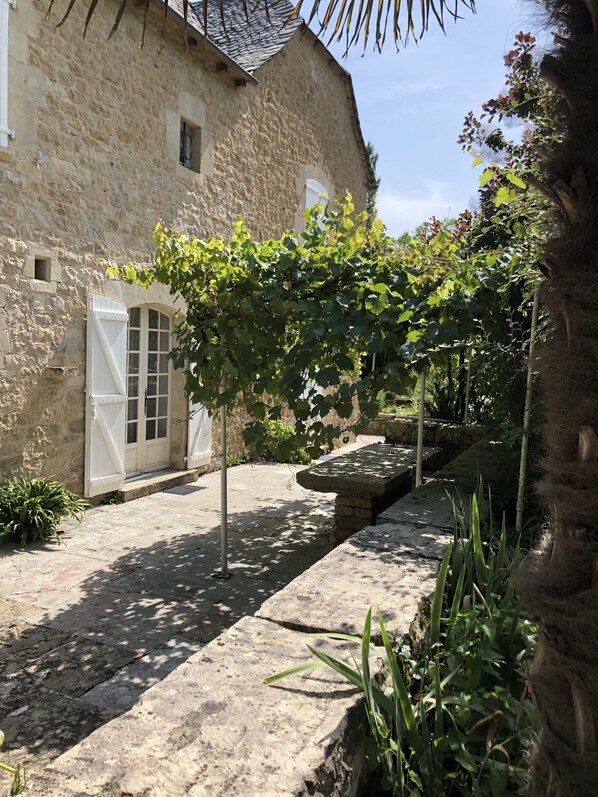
{"x": 562, "y": 585}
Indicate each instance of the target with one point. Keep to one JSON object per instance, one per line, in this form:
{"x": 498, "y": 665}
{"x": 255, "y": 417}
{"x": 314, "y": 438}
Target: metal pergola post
{"x": 527, "y": 412}
{"x": 467, "y": 390}
{"x": 420, "y": 430}
{"x": 223, "y": 572}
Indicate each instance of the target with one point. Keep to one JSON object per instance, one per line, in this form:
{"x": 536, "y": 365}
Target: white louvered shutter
{"x": 106, "y": 395}
{"x": 315, "y": 193}
{"x": 199, "y": 436}
{"x": 5, "y": 132}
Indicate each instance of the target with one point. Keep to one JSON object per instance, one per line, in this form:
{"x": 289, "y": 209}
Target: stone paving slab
{"x": 373, "y": 471}
{"x": 22, "y": 643}
{"x": 14, "y": 611}
{"x": 23, "y": 574}
{"x": 133, "y": 580}
{"x": 77, "y": 666}
{"x": 335, "y": 594}
{"x": 44, "y": 724}
{"x": 122, "y": 691}
{"x": 136, "y": 622}
{"x": 200, "y": 746}
{"x": 402, "y": 538}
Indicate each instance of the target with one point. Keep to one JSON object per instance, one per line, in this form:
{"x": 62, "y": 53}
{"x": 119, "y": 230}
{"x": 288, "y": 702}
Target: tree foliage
{"x": 281, "y": 326}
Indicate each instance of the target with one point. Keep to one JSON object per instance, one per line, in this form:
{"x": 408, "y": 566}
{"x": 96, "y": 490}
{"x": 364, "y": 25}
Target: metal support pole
{"x": 223, "y": 572}
{"x": 527, "y": 412}
{"x": 467, "y": 387}
{"x": 420, "y": 431}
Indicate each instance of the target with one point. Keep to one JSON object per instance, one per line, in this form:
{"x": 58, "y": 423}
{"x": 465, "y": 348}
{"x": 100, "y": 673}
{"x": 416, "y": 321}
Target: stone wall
{"x": 94, "y": 164}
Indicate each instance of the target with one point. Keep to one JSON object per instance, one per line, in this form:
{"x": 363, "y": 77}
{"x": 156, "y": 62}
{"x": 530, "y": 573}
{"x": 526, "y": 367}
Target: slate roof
{"x": 249, "y": 40}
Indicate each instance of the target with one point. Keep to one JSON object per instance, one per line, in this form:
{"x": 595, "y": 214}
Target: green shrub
{"x": 238, "y": 459}
{"x": 31, "y": 509}
{"x": 280, "y": 444}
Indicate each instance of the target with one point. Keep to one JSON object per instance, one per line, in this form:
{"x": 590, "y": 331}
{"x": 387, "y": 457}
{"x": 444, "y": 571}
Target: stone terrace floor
{"x": 87, "y": 626}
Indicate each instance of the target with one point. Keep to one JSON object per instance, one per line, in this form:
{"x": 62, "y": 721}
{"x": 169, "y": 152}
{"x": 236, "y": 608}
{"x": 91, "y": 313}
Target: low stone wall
{"x": 213, "y": 729}
{"x": 432, "y": 502}
{"x": 452, "y": 438}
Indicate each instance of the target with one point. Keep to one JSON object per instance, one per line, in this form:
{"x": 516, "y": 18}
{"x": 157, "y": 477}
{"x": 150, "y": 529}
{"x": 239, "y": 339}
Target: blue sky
{"x": 412, "y": 104}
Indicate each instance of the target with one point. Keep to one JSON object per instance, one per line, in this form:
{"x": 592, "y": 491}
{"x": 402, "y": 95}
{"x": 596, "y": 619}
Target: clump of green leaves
{"x": 280, "y": 444}
{"x": 238, "y": 459}
{"x": 455, "y": 718}
{"x": 115, "y": 497}
{"x": 19, "y": 778}
{"x": 31, "y": 509}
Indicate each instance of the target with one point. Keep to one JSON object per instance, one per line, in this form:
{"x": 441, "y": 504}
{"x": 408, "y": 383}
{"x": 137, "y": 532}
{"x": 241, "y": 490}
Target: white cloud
{"x": 393, "y": 89}
{"x": 402, "y": 211}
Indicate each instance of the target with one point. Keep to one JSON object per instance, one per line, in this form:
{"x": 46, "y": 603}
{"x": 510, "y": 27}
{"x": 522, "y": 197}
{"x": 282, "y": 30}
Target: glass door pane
{"x": 133, "y": 375}
{"x": 148, "y": 387}
{"x": 156, "y": 405}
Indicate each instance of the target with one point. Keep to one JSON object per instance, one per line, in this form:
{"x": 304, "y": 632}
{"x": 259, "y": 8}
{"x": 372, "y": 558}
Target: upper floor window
{"x": 190, "y": 145}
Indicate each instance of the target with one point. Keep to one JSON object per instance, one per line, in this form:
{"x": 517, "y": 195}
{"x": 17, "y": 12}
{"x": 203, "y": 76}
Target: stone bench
{"x": 366, "y": 481}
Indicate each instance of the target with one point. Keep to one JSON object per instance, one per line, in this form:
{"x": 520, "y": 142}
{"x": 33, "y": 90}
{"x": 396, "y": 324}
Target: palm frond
{"x": 352, "y": 20}
{"x": 336, "y": 20}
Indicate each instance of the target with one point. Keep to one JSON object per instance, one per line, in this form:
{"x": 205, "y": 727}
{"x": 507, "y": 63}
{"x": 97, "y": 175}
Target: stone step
{"x": 155, "y": 482}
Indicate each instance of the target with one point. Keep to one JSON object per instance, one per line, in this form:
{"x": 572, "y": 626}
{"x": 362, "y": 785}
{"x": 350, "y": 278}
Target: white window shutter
{"x": 315, "y": 193}
{"x": 5, "y": 132}
{"x": 199, "y": 437}
{"x": 106, "y": 395}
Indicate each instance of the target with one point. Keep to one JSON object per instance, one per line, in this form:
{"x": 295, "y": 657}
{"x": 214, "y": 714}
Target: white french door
{"x": 147, "y": 439}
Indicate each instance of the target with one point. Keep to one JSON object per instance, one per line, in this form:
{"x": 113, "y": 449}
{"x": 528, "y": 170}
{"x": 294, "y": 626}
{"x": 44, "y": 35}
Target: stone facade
{"x": 94, "y": 163}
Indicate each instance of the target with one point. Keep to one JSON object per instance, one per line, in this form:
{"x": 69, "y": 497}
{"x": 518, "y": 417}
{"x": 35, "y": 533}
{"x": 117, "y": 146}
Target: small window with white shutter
{"x": 5, "y": 131}
{"x": 315, "y": 193}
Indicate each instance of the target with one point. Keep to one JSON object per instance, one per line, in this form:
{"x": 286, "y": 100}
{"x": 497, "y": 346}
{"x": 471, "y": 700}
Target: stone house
{"x": 99, "y": 139}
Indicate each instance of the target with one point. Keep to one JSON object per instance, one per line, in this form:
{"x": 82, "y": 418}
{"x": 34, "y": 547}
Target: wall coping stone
{"x": 431, "y": 504}
{"x": 213, "y": 728}
{"x": 335, "y": 594}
